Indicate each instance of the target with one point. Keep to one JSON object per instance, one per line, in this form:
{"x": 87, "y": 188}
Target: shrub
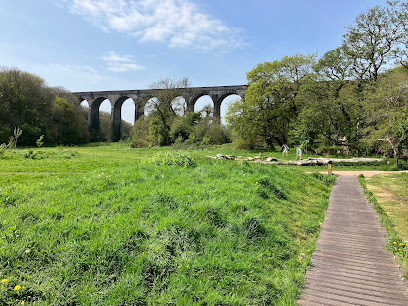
{"x": 39, "y": 141}
{"x": 325, "y": 178}
{"x": 140, "y": 134}
{"x": 252, "y": 143}
{"x": 3, "y": 148}
{"x": 217, "y": 134}
{"x": 174, "y": 159}
{"x": 182, "y": 127}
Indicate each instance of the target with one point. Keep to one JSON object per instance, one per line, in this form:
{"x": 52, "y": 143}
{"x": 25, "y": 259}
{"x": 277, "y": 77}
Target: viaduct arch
{"x": 140, "y": 97}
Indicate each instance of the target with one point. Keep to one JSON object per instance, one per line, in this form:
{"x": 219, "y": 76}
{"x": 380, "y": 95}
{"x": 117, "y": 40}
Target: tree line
{"x": 37, "y": 109}
{"x": 354, "y": 96}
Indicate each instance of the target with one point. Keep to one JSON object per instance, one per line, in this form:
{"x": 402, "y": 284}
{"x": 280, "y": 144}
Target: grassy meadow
{"x": 110, "y": 225}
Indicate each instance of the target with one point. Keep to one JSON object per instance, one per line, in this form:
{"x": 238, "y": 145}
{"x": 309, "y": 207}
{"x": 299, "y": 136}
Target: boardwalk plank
{"x": 350, "y": 265}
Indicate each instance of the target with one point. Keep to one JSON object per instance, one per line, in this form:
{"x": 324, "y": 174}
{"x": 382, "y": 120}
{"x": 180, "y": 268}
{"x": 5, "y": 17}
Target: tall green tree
{"x": 64, "y": 117}
{"x": 272, "y": 99}
{"x": 164, "y": 107}
{"x": 387, "y": 112}
{"x": 374, "y": 40}
{"x": 26, "y": 103}
{"x": 330, "y": 113}
{"x": 78, "y": 125}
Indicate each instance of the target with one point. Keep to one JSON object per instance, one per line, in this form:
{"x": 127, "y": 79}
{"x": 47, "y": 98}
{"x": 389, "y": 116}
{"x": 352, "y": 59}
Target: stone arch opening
{"x": 100, "y": 119}
{"x": 203, "y": 104}
{"x": 105, "y": 118}
{"x": 226, "y": 102}
{"x": 149, "y": 106}
{"x": 85, "y": 109}
{"x": 95, "y": 122}
{"x": 105, "y": 107}
{"x": 128, "y": 111}
{"x": 179, "y": 105}
{"x": 84, "y": 104}
{"x": 123, "y": 117}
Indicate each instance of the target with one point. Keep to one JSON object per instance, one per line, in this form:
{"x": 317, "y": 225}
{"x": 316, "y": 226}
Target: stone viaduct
{"x": 140, "y": 97}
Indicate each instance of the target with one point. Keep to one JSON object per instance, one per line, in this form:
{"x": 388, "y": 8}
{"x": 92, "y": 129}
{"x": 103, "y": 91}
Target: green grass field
{"x": 110, "y": 225}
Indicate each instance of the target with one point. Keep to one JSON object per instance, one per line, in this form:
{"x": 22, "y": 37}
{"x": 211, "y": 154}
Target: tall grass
{"x": 122, "y": 231}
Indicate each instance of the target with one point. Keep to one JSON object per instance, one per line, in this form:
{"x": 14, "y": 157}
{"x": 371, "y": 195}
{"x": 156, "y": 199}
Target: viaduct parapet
{"x": 140, "y": 97}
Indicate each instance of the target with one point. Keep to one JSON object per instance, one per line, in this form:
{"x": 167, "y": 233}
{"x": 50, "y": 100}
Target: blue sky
{"x": 91, "y": 45}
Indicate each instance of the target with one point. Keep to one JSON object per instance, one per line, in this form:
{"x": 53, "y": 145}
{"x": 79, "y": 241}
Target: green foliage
{"x": 335, "y": 65}
{"x": 184, "y": 126}
{"x": 174, "y": 159}
{"x": 271, "y": 101}
{"x": 64, "y": 117}
{"x": 140, "y": 134}
{"x": 3, "y": 148}
{"x": 164, "y": 106}
{"x": 105, "y": 131}
{"x": 216, "y": 134}
{"x": 26, "y": 99}
{"x": 161, "y": 129}
{"x": 17, "y": 109}
{"x": 159, "y": 132}
{"x": 374, "y": 39}
{"x": 386, "y": 114}
{"x": 333, "y": 101}
{"x": 39, "y": 141}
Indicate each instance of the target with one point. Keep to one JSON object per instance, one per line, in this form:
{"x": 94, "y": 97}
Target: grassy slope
{"x": 96, "y": 226}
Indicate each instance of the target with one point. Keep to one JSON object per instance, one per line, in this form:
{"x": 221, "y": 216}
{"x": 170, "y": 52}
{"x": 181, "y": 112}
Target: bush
{"x": 3, "y": 148}
{"x": 183, "y": 127}
{"x": 140, "y": 134}
{"x": 174, "y": 159}
{"x": 252, "y": 143}
{"x": 217, "y": 134}
{"x": 325, "y": 178}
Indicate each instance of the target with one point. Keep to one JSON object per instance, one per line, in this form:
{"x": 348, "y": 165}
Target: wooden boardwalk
{"x": 350, "y": 265}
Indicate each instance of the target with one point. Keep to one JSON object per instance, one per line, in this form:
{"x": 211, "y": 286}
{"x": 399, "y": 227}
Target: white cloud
{"x": 175, "y": 22}
{"x": 112, "y": 62}
{"x": 87, "y": 72}
{"x": 118, "y": 63}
